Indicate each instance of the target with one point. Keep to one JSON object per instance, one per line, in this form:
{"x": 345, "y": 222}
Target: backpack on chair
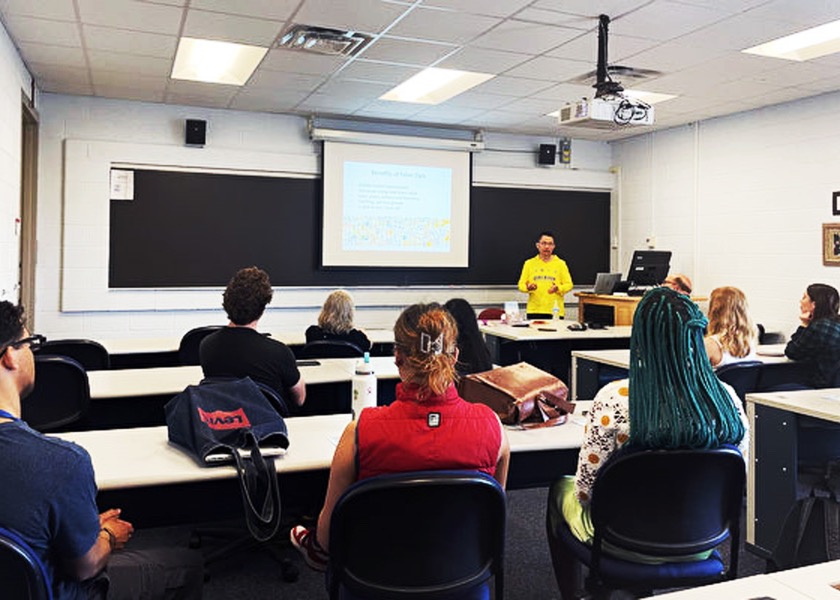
{"x": 811, "y": 531}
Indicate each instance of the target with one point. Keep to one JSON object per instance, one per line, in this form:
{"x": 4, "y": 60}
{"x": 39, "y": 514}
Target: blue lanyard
{"x": 8, "y": 415}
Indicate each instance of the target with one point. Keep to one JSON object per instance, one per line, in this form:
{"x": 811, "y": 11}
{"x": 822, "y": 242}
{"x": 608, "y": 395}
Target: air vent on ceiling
{"x": 619, "y": 73}
{"x": 324, "y": 40}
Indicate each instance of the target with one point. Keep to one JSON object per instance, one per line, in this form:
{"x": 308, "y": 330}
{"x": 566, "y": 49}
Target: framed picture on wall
{"x": 831, "y": 244}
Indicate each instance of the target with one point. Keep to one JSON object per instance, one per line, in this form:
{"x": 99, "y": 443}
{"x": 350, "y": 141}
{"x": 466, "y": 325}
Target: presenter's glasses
{"x": 34, "y": 341}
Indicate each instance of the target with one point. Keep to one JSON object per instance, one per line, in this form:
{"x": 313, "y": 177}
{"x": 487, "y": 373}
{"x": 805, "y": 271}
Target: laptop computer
{"x": 605, "y": 283}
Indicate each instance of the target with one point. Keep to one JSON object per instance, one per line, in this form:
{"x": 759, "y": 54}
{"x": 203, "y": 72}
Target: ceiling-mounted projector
{"x": 606, "y": 113}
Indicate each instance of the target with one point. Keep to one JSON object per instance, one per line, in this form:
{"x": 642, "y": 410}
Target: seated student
{"x": 473, "y": 354}
{"x": 676, "y": 402}
{"x": 817, "y": 340}
{"x": 398, "y": 437}
{"x": 49, "y": 500}
{"x": 336, "y": 322}
{"x": 679, "y": 282}
{"x": 731, "y": 336}
{"x": 239, "y": 350}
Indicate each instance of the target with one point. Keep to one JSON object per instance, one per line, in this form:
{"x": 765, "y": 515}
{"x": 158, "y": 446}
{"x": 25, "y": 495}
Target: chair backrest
{"x": 769, "y": 337}
{"x": 491, "y": 314}
{"x": 188, "y": 348}
{"x": 331, "y": 349}
{"x": 21, "y": 571}
{"x": 669, "y": 502}
{"x": 91, "y": 355}
{"x": 742, "y": 376}
{"x": 61, "y": 395}
{"x": 419, "y": 534}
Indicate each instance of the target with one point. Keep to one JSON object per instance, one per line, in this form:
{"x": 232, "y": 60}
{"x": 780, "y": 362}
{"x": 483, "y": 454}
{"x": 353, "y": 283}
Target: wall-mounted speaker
{"x": 548, "y": 152}
{"x": 196, "y": 132}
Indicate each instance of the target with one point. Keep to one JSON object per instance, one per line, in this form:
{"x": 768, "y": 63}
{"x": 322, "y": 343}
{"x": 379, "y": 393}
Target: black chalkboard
{"x": 196, "y": 229}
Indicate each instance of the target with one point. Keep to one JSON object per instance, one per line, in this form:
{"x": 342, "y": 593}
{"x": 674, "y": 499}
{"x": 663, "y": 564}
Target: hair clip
{"x": 430, "y": 346}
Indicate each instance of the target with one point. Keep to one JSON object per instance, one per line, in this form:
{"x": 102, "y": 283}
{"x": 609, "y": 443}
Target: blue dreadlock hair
{"x": 676, "y": 401}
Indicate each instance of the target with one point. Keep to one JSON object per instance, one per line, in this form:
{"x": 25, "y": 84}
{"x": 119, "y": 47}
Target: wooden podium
{"x": 623, "y": 306}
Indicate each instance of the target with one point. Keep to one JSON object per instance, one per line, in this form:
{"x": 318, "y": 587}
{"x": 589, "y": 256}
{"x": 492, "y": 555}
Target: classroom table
{"x": 548, "y": 344}
{"x": 135, "y": 397}
{"x": 163, "y": 351}
{"x": 592, "y": 368}
{"x": 772, "y": 480}
{"x": 622, "y": 306}
{"x": 138, "y": 466}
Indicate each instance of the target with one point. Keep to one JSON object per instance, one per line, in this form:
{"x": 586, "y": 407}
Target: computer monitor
{"x": 605, "y": 282}
{"x": 649, "y": 267}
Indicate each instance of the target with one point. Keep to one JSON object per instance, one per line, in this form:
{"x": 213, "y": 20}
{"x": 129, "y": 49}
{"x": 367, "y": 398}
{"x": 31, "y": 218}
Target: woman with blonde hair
{"x": 428, "y": 427}
{"x": 336, "y": 322}
{"x": 731, "y": 336}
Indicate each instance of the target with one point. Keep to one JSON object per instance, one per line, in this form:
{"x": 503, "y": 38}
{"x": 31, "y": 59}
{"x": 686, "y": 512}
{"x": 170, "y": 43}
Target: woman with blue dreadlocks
{"x": 671, "y": 400}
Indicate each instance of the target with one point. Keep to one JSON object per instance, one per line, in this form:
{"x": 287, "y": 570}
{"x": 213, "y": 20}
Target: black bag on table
{"x": 231, "y": 422}
{"x": 811, "y": 531}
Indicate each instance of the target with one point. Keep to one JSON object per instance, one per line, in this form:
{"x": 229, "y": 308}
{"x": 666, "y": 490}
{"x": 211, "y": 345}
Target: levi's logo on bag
{"x": 223, "y": 419}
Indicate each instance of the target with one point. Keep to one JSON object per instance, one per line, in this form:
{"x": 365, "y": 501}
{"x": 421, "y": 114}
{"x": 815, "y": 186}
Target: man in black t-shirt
{"x": 239, "y": 350}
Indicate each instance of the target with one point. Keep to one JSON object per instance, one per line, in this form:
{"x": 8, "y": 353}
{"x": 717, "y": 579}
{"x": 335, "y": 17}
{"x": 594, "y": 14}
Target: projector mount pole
{"x": 604, "y": 85}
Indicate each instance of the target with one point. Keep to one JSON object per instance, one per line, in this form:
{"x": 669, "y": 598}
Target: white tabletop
{"x": 746, "y": 588}
{"x": 555, "y": 330}
{"x": 170, "y": 344}
{"x": 816, "y": 581}
{"x": 819, "y": 403}
{"x": 621, "y": 358}
{"x": 158, "y": 381}
{"x": 124, "y": 458}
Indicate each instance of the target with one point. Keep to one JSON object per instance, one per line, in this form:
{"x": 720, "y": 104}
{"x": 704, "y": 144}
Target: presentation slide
{"x": 395, "y": 207}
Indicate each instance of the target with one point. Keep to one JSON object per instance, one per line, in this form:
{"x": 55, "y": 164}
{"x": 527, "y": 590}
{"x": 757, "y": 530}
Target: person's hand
{"x": 552, "y": 289}
{"x": 805, "y": 318}
{"x": 121, "y": 530}
{"x": 531, "y": 286}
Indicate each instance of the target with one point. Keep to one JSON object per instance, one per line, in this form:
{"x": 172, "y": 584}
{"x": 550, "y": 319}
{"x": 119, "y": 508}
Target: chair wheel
{"x": 289, "y": 570}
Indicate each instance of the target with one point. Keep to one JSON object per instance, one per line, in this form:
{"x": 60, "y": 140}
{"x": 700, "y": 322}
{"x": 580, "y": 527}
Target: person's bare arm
{"x": 713, "y": 350}
{"x": 504, "y": 459}
{"x": 342, "y": 476}
{"x": 114, "y": 534}
{"x": 297, "y": 393}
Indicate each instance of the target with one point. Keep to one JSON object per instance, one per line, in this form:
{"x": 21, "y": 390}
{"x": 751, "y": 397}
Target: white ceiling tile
{"x": 442, "y": 25}
{"x": 585, "y": 48}
{"x": 206, "y": 91}
{"x": 534, "y": 106}
{"x": 512, "y": 86}
{"x": 131, "y": 42}
{"x": 551, "y": 69}
{"x": 410, "y": 52}
{"x": 280, "y": 59}
{"x": 29, "y": 29}
{"x": 360, "y": 89}
{"x": 130, "y": 93}
{"x": 276, "y": 10}
{"x": 591, "y": 8}
{"x": 552, "y": 17}
{"x": 44, "y": 9}
{"x": 128, "y": 14}
{"x": 371, "y": 16}
{"x": 665, "y": 20}
{"x": 529, "y": 38}
{"x": 130, "y": 80}
{"x": 727, "y": 6}
{"x": 565, "y": 93}
{"x": 242, "y": 30}
{"x": 496, "y": 8}
{"x": 792, "y": 74}
{"x": 483, "y": 60}
{"x": 388, "y": 109}
{"x": 330, "y": 103}
{"x": 262, "y": 100}
{"x": 803, "y": 14}
{"x": 74, "y": 88}
{"x": 129, "y": 63}
{"x": 446, "y": 113}
{"x": 55, "y": 55}
{"x": 59, "y": 73}
{"x": 278, "y": 80}
{"x": 369, "y": 70}
{"x": 167, "y": 2}
{"x": 483, "y": 100}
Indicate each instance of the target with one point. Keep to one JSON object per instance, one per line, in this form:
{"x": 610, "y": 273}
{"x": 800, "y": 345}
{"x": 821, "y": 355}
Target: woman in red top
{"x": 428, "y": 426}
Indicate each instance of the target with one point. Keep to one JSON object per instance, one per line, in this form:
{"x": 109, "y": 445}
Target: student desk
{"x": 772, "y": 478}
{"x": 592, "y": 368}
{"x": 548, "y": 344}
{"x": 138, "y": 468}
{"x": 163, "y": 351}
{"x": 135, "y": 397}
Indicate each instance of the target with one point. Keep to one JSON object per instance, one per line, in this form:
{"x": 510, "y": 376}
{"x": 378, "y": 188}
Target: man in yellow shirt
{"x": 546, "y": 279}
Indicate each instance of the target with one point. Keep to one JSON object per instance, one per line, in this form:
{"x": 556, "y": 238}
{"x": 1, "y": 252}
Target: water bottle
{"x": 364, "y": 386}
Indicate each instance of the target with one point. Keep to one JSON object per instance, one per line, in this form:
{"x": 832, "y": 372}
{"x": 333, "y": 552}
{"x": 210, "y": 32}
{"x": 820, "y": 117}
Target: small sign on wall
{"x": 831, "y": 244}
{"x": 122, "y": 184}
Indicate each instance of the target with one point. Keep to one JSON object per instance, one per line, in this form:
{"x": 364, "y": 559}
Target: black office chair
{"x": 659, "y": 503}
{"x": 188, "y": 348}
{"x": 61, "y": 396}
{"x": 742, "y": 376}
{"x": 769, "y": 337}
{"x": 91, "y": 355}
{"x": 23, "y": 574}
{"x": 330, "y": 349}
{"x": 425, "y": 535}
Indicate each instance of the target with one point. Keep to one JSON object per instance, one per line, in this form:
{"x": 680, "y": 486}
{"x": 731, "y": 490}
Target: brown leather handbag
{"x": 521, "y": 394}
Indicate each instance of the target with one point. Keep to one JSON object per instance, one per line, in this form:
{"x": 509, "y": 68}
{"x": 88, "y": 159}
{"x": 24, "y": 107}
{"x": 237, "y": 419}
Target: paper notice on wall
{"x": 122, "y": 184}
